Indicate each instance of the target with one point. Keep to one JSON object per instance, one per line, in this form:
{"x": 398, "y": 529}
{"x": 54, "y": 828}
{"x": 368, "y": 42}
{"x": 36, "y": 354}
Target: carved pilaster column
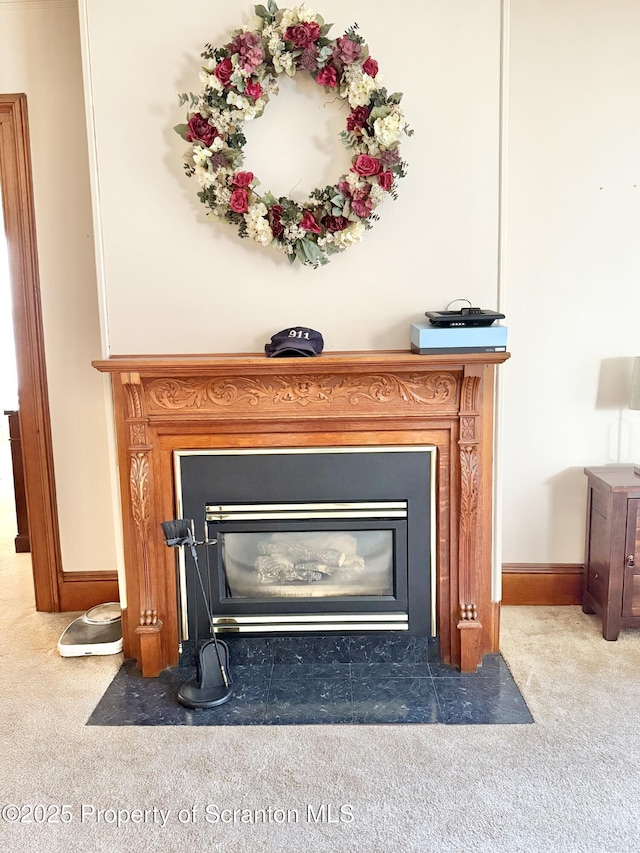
{"x": 469, "y": 624}
{"x": 140, "y": 493}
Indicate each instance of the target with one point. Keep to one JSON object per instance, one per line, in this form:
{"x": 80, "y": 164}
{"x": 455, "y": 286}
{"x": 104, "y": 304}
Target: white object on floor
{"x": 96, "y": 632}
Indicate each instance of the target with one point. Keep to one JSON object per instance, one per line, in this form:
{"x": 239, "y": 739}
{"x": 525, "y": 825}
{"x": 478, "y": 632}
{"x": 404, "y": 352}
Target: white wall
{"x": 9, "y": 372}
{"x": 572, "y": 269}
{"x": 174, "y": 282}
{"x": 40, "y": 56}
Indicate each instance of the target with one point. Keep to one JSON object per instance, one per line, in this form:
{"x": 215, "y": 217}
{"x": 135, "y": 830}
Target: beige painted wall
{"x": 569, "y": 249}
{"x": 174, "y": 282}
{"x": 572, "y": 270}
{"x": 564, "y": 249}
{"x": 40, "y": 56}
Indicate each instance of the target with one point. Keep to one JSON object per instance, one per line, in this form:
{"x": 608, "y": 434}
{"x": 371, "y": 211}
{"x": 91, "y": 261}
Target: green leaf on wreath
{"x": 236, "y": 140}
{"x": 312, "y": 252}
{"x": 379, "y": 112}
{"x": 181, "y": 130}
{"x": 238, "y": 81}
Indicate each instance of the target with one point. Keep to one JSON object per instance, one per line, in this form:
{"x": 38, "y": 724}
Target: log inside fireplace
{"x": 165, "y": 404}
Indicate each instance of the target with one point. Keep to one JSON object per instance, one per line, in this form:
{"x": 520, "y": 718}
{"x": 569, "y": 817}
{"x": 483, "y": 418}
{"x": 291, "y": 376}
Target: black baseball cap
{"x": 295, "y": 341}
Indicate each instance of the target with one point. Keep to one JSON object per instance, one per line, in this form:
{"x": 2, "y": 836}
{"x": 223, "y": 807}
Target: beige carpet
{"x": 569, "y": 782}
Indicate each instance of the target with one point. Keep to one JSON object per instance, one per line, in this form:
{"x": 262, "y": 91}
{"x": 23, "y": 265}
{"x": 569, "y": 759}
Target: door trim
{"x": 35, "y": 424}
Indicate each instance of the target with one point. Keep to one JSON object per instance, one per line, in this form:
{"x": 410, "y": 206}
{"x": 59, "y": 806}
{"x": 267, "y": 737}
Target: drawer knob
{"x": 631, "y": 561}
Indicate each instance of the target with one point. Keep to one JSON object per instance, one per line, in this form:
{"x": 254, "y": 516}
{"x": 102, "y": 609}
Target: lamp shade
{"x": 634, "y": 402}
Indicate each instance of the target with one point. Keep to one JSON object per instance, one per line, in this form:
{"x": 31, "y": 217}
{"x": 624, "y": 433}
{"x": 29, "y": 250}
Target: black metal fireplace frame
{"x": 406, "y": 473}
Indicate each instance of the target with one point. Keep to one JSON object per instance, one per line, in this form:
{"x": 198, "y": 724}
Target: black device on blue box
{"x": 464, "y": 317}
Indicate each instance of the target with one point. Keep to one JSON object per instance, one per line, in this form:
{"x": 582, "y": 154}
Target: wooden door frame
{"x": 54, "y": 588}
{"x": 35, "y": 423}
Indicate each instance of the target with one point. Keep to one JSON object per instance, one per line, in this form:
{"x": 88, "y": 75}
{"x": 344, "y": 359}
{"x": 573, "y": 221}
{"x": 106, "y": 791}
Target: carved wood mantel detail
{"x": 139, "y": 451}
{"x": 168, "y": 403}
{"x": 435, "y": 390}
{"x": 469, "y": 624}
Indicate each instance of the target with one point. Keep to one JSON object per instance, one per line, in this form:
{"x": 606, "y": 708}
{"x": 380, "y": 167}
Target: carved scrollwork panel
{"x": 470, "y": 485}
{"x": 430, "y": 389}
{"x": 139, "y": 486}
{"x": 434, "y": 390}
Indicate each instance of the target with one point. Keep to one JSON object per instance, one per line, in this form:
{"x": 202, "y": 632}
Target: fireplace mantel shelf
{"x": 343, "y": 361}
{"x": 165, "y": 403}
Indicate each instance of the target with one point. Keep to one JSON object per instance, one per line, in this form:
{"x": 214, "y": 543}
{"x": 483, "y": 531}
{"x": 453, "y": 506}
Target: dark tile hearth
{"x": 323, "y": 680}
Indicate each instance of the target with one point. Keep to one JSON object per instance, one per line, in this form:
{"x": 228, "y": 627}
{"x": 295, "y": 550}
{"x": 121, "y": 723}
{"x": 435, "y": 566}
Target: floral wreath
{"x": 238, "y": 80}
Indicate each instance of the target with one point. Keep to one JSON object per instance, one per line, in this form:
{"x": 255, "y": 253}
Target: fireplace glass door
{"x": 307, "y": 563}
{"x": 299, "y": 559}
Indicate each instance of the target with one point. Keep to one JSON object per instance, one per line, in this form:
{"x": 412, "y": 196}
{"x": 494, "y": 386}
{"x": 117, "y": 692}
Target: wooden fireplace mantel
{"x": 167, "y": 403}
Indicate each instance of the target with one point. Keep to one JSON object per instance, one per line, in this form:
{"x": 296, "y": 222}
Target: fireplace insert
{"x": 310, "y": 539}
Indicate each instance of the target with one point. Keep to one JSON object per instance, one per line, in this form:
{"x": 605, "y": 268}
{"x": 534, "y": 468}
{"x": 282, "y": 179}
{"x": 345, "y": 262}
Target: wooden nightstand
{"x": 612, "y": 554}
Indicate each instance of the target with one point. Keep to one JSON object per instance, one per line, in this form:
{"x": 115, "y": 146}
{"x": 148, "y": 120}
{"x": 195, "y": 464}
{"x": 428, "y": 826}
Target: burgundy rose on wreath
{"x": 346, "y": 50}
{"x": 199, "y": 130}
{"x": 223, "y": 71}
{"x": 357, "y": 118}
{"x": 308, "y": 223}
{"x": 239, "y": 201}
{"x": 242, "y": 179}
{"x": 275, "y": 216}
{"x": 304, "y": 34}
{"x": 366, "y": 165}
{"x": 385, "y": 179}
{"x": 335, "y": 223}
{"x": 253, "y": 89}
{"x": 328, "y": 77}
{"x": 370, "y": 67}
